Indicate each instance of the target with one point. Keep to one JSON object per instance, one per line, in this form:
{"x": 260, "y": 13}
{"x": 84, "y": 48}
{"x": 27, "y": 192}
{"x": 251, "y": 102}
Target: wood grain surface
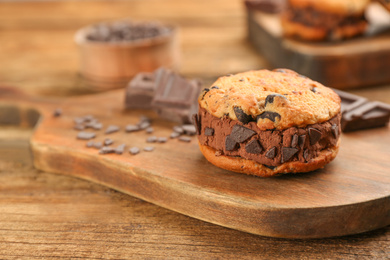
{"x": 46, "y": 215}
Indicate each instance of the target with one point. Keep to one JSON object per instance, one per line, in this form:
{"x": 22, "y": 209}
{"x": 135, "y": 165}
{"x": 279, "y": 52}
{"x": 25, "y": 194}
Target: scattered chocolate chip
{"x": 132, "y": 128}
{"x": 314, "y": 135}
{"x": 143, "y": 125}
{"x": 174, "y": 135}
{"x": 214, "y": 87}
{"x": 242, "y": 116}
{"x": 111, "y": 129}
{"x": 294, "y": 140}
{"x": 144, "y": 119}
{"x": 151, "y": 139}
{"x": 162, "y": 140}
{"x": 301, "y": 141}
{"x": 230, "y": 143}
{"x": 57, "y": 112}
{"x": 97, "y": 145}
{"x": 241, "y": 134}
{"x": 86, "y": 135}
{"x": 134, "y": 150}
{"x": 149, "y": 130}
{"x": 253, "y": 147}
{"x": 88, "y": 118}
{"x": 335, "y": 130}
{"x": 108, "y": 141}
{"x": 189, "y": 129}
{"x": 270, "y": 115}
{"x": 208, "y": 131}
{"x": 79, "y": 127}
{"x": 89, "y": 144}
{"x": 271, "y": 153}
{"x": 288, "y": 153}
{"x": 97, "y": 126}
{"x": 149, "y": 149}
{"x": 78, "y": 120}
{"x": 106, "y": 150}
{"x": 218, "y": 153}
{"x": 306, "y": 155}
{"x": 120, "y": 149}
{"x": 206, "y": 90}
{"x": 270, "y": 167}
{"x": 178, "y": 129}
{"x": 196, "y": 122}
{"x": 270, "y": 98}
{"x": 185, "y": 139}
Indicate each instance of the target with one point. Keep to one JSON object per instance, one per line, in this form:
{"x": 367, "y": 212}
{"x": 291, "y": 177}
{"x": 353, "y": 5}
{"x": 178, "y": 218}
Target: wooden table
{"x": 43, "y": 215}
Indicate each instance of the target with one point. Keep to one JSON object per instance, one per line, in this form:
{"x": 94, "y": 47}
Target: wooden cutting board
{"x": 350, "y": 195}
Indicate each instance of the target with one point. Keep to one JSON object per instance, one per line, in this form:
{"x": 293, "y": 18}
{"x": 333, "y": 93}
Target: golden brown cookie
{"x": 268, "y": 122}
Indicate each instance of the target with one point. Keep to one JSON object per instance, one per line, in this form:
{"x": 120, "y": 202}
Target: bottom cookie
{"x": 241, "y": 165}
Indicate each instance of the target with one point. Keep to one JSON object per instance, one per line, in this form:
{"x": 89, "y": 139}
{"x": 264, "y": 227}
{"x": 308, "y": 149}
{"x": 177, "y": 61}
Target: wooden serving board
{"x": 361, "y": 61}
{"x": 350, "y": 195}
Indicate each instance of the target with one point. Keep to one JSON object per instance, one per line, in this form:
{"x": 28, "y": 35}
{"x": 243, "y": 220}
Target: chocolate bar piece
{"x": 140, "y": 91}
{"x": 266, "y": 6}
{"x": 369, "y": 115}
{"x": 349, "y": 101}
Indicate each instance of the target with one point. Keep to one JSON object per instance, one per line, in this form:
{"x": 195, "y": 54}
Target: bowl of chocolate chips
{"x": 111, "y": 53}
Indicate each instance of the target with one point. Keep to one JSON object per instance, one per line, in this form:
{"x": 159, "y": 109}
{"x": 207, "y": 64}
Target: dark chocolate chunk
{"x": 230, "y": 143}
{"x": 196, "y": 122}
{"x": 97, "y": 126}
{"x": 132, "y": 128}
{"x": 174, "y": 135}
{"x": 288, "y": 153}
{"x": 270, "y": 167}
{"x": 189, "y": 129}
{"x": 88, "y": 118}
{"x": 106, "y": 150}
{"x": 208, "y": 131}
{"x": 111, "y": 129}
{"x": 253, "y": 147}
{"x": 214, "y": 87}
{"x": 241, "y": 134}
{"x": 149, "y": 149}
{"x": 178, "y": 129}
{"x": 270, "y": 115}
{"x": 149, "y": 130}
{"x": 335, "y": 131}
{"x": 86, "y": 135}
{"x": 301, "y": 141}
{"x": 144, "y": 119}
{"x": 151, "y": 139}
{"x": 57, "y": 112}
{"x": 242, "y": 116}
{"x": 270, "y": 98}
{"x": 143, "y": 125}
{"x": 89, "y": 144}
{"x": 140, "y": 91}
{"x": 314, "y": 135}
{"x": 349, "y": 101}
{"x": 271, "y": 153}
{"x": 97, "y": 145}
{"x": 185, "y": 139}
{"x": 306, "y": 155}
{"x": 294, "y": 140}
{"x": 79, "y": 127}
{"x": 162, "y": 140}
{"x": 108, "y": 141}
{"x": 78, "y": 120}
{"x": 120, "y": 149}
{"x": 134, "y": 150}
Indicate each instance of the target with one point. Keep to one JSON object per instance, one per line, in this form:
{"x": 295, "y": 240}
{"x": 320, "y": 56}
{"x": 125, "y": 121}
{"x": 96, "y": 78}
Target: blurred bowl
{"x": 111, "y": 64}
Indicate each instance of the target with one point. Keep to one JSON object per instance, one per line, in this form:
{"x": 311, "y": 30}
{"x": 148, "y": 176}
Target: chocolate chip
{"x": 89, "y": 144}
{"x": 97, "y": 145}
{"x": 288, "y": 153}
{"x": 111, "y": 129}
{"x": 79, "y": 127}
{"x": 301, "y": 141}
{"x": 106, "y": 150}
{"x": 108, "y": 141}
{"x": 143, "y": 125}
{"x": 241, "y": 134}
{"x": 151, "y": 139}
{"x": 189, "y": 129}
{"x": 314, "y": 135}
{"x": 294, "y": 140}
{"x": 335, "y": 131}
{"x": 132, "y": 128}
{"x": 214, "y": 87}
{"x": 162, "y": 140}
{"x": 174, "y": 135}
{"x": 270, "y": 98}
{"x": 271, "y": 153}
{"x": 120, "y": 149}
{"x": 253, "y": 147}
{"x": 97, "y": 126}
{"x": 306, "y": 155}
{"x": 134, "y": 150}
{"x": 144, "y": 119}
{"x": 230, "y": 143}
{"x": 57, "y": 112}
{"x": 78, "y": 120}
{"x": 178, "y": 129}
{"x": 270, "y": 115}
{"x": 149, "y": 149}
{"x": 270, "y": 167}
{"x": 185, "y": 139}
{"x": 149, "y": 130}
{"x": 88, "y": 118}
{"x": 196, "y": 122}
{"x": 242, "y": 116}
{"x": 85, "y": 135}
{"x": 209, "y": 131}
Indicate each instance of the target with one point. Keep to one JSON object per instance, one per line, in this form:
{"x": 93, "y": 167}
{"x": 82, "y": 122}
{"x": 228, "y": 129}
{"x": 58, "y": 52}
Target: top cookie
{"x": 276, "y": 99}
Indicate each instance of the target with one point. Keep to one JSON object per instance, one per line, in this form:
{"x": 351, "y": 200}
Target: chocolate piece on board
{"x": 134, "y": 150}
{"x": 149, "y": 149}
{"x": 185, "y": 139}
{"x": 349, "y": 101}
{"x": 85, "y": 135}
{"x": 189, "y": 129}
{"x": 132, "y": 128}
{"x": 111, "y": 129}
{"x": 162, "y": 140}
{"x": 108, "y": 141}
{"x": 120, "y": 149}
{"x": 106, "y": 150}
{"x": 57, "y": 112}
{"x": 266, "y": 6}
{"x": 151, "y": 139}
{"x": 174, "y": 135}
{"x": 140, "y": 91}
{"x": 369, "y": 115}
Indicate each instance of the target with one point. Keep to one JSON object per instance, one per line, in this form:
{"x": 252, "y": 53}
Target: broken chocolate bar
{"x": 349, "y": 101}
{"x": 140, "y": 91}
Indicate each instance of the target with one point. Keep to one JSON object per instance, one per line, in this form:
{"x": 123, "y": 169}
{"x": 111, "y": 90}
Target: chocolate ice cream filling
{"x": 270, "y": 147}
